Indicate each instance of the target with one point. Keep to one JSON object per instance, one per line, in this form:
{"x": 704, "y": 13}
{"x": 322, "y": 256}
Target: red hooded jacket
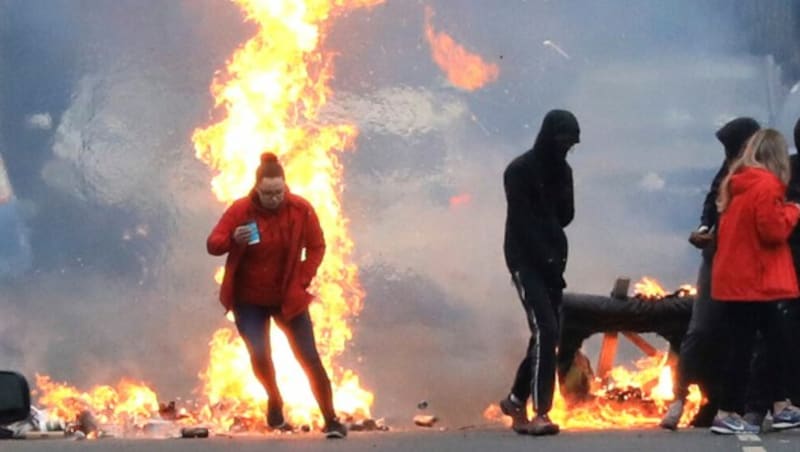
{"x": 304, "y": 233}
{"x": 753, "y": 261}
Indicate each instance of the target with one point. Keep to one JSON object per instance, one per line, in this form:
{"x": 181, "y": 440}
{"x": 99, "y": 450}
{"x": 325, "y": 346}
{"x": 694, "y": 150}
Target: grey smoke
{"x": 117, "y": 207}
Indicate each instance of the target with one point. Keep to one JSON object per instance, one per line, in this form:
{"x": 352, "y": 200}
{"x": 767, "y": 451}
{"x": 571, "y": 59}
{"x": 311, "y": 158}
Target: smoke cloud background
{"x": 98, "y": 100}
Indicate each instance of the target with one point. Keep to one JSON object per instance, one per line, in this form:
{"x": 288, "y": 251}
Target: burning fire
{"x": 464, "y": 69}
{"x": 629, "y": 399}
{"x": 135, "y": 401}
{"x": 649, "y": 288}
{"x": 270, "y": 93}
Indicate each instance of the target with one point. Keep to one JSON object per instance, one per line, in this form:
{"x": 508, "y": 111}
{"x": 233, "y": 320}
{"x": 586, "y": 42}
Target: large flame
{"x": 268, "y": 97}
{"x": 271, "y": 94}
{"x": 464, "y": 69}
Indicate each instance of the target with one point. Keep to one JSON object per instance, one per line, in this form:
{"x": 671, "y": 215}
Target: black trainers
{"x": 519, "y": 418}
{"x": 542, "y": 425}
{"x": 334, "y": 429}
{"x": 275, "y": 418}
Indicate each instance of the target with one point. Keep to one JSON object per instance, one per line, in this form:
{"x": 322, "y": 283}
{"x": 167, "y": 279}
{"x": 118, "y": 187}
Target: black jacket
{"x": 733, "y": 136}
{"x": 793, "y": 194}
{"x": 539, "y": 193}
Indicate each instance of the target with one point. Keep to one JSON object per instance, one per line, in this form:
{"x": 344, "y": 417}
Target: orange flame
{"x": 649, "y": 288}
{"x": 631, "y": 399}
{"x": 465, "y": 70}
{"x": 271, "y": 93}
{"x": 128, "y": 402}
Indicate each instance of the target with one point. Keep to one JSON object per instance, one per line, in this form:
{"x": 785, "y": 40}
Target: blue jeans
{"x": 253, "y": 324}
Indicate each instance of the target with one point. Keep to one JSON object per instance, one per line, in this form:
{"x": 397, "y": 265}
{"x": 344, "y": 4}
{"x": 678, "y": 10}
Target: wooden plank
{"x": 608, "y": 351}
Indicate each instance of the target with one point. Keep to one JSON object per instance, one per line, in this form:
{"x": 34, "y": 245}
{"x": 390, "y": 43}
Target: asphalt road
{"x": 489, "y": 439}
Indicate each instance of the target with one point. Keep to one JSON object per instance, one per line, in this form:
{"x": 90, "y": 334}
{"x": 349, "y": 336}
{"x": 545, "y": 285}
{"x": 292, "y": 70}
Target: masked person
{"x": 539, "y": 194}
{"x": 753, "y": 272}
{"x": 274, "y": 246}
{"x": 791, "y": 310}
{"x": 701, "y": 350}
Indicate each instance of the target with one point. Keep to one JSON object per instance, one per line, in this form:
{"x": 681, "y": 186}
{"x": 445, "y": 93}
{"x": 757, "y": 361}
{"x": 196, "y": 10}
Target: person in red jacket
{"x": 753, "y": 271}
{"x": 274, "y": 246}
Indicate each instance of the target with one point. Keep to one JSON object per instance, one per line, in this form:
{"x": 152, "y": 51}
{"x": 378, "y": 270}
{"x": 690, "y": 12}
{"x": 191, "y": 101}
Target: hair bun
{"x": 269, "y": 157}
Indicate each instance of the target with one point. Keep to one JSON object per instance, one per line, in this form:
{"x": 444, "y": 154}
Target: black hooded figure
{"x": 539, "y": 193}
{"x": 791, "y": 309}
{"x": 702, "y": 352}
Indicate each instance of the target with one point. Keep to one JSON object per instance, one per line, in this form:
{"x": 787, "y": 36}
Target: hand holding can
{"x": 255, "y": 237}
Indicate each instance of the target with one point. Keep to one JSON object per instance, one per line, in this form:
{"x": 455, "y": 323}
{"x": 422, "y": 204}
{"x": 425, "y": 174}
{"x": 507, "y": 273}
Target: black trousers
{"x": 746, "y": 320}
{"x": 760, "y": 395}
{"x": 536, "y": 374}
{"x": 253, "y": 324}
{"x": 704, "y": 347}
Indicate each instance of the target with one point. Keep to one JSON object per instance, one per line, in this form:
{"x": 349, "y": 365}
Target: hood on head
{"x": 735, "y": 133}
{"x": 555, "y": 123}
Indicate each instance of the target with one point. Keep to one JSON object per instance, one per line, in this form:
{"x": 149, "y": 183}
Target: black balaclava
{"x": 555, "y": 123}
{"x": 734, "y": 135}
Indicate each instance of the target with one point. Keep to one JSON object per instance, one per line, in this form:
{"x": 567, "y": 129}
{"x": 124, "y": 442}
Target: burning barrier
{"x": 618, "y": 397}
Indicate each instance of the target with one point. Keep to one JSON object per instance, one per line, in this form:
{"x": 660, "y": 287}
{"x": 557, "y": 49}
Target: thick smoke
{"x": 99, "y": 101}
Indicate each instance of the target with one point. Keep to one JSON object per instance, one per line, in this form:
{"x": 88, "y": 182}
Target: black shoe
{"x": 334, "y": 429}
{"x": 275, "y": 419}
{"x": 519, "y": 418}
{"x": 542, "y": 425}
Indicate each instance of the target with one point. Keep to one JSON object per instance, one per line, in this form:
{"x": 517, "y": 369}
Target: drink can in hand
{"x": 255, "y": 237}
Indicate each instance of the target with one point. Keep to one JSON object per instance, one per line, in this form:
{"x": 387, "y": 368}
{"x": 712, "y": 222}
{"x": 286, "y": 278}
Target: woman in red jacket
{"x": 274, "y": 244}
{"x": 753, "y": 271}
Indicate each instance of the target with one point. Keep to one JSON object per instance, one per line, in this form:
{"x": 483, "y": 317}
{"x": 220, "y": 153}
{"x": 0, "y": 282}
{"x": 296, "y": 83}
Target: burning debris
{"x": 615, "y": 397}
{"x": 464, "y": 70}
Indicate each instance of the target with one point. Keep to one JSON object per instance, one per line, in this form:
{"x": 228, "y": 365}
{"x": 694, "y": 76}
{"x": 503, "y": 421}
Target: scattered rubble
{"x": 194, "y": 432}
{"x": 368, "y": 425}
{"x": 425, "y": 420}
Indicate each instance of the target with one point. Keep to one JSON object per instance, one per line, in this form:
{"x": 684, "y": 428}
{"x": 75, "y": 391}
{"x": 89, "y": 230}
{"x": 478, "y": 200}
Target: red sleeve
{"x": 775, "y": 218}
{"x": 314, "y": 243}
{"x": 220, "y": 241}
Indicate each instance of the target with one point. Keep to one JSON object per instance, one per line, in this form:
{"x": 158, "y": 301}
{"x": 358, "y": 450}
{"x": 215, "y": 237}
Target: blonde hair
{"x": 766, "y": 149}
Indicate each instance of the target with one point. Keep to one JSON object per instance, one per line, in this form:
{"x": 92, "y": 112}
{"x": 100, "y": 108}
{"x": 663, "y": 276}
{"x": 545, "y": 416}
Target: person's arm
{"x": 775, "y": 218}
{"x": 566, "y": 203}
{"x": 710, "y": 215}
{"x": 522, "y": 220}
{"x": 221, "y": 240}
{"x": 314, "y": 242}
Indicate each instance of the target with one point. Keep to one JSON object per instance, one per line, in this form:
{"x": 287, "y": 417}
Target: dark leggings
{"x": 537, "y": 371}
{"x": 253, "y": 324}
{"x": 746, "y": 319}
